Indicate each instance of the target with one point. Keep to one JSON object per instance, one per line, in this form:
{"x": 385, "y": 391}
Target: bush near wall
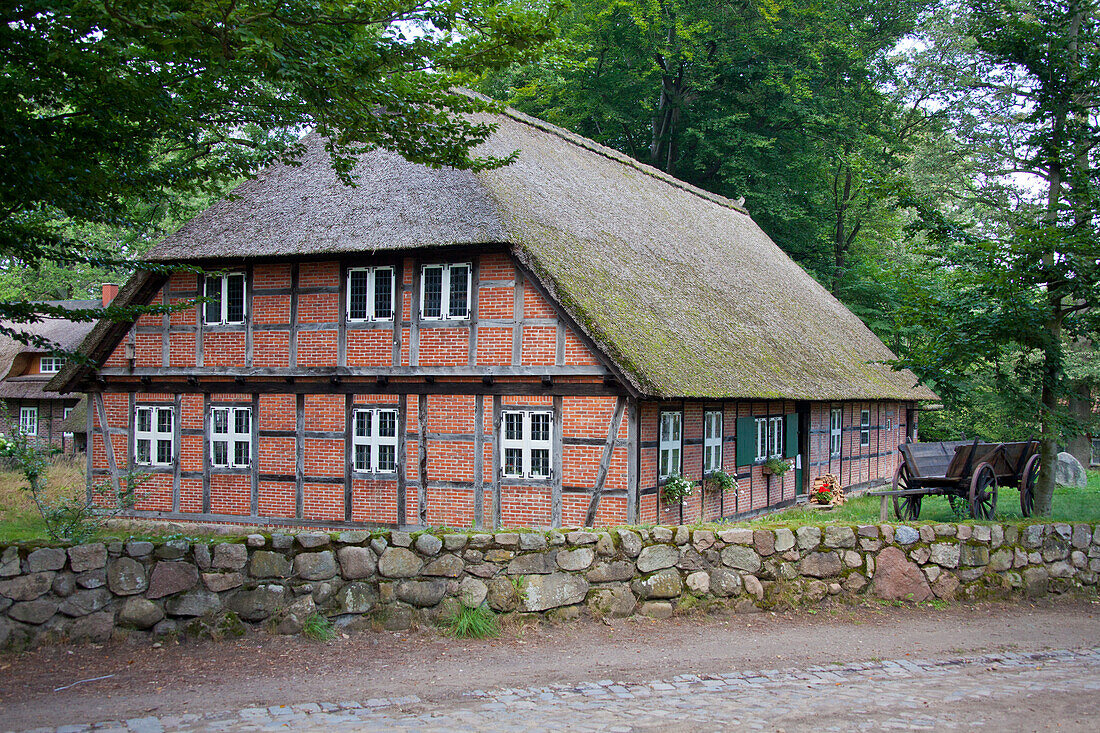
{"x": 394, "y": 580}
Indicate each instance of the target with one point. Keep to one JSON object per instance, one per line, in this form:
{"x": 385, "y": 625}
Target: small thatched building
{"x": 534, "y": 345}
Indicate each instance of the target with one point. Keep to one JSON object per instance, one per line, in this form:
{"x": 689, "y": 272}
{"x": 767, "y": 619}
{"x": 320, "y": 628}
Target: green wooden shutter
{"x": 792, "y": 436}
{"x": 746, "y": 441}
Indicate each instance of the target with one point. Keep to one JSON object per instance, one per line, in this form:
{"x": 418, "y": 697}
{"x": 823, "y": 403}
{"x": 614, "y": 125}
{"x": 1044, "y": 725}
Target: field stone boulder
{"x": 259, "y": 603}
{"x": 63, "y": 585}
{"x": 630, "y": 542}
{"x": 311, "y": 540}
{"x": 446, "y": 566}
{"x": 173, "y": 549}
{"x": 193, "y": 603}
{"x": 139, "y": 613}
{"x": 754, "y": 587}
{"x": 662, "y": 584}
{"x": 898, "y": 578}
{"x": 577, "y": 559}
{"x": 26, "y": 587}
{"x": 764, "y": 542}
{"x": 1068, "y": 471}
{"x": 741, "y": 557}
{"x": 267, "y": 564}
{"x": 784, "y": 540}
{"x": 85, "y": 602}
{"x": 808, "y": 537}
{"x": 219, "y": 582}
{"x": 126, "y": 577}
{"x": 95, "y": 627}
{"x": 839, "y": 537}
{"x": 33, "y": 612}
{"x": 906, "y": 535}
{"x": 315, "y": 565}
{"x": 945, "y": 554}
{"x": 356, "y": 562}
{"x": 139, "y": 548}
{"x": 472, "y": 592}
{"x": 229, "y": 556}
{"x": 615, "y": 601}
{"x": 45, "y": 558}
{"x": 92, "y": 578}
{"x": 502, "y": 596}
{"x": 543, "y": 592}
{"x": 355, "y": 598}
{"x": 169, "y": 578}
{"x": 698, "y": 583}
{"x": 292, "y": 619}
{"x": 422, "y": 593}
{"x": 606, "y": 572}
{"x": 533, "y": 563}
{"x": 398, "y": 562}
{"x": 724, "y": 582}
{"x": 657, "y": 557}
{"x": 428, "y": 544}
{"x": 821, "y": 565}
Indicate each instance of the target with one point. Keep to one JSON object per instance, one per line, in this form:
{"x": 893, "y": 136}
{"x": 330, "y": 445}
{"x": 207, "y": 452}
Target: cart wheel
{"x": 983, "y": 492}
{"x": 1027, "y": 486}
{"x": 906, "y": 508}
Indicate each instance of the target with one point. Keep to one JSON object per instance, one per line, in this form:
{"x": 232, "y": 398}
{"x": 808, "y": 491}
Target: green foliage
{"x": 777, "y": 466}
{"x": 116, "y": 113}
{"x": 473, "y": 623}
{"x": 65, "y": 518}
{"x": 721, "y": 480}
{"x": 676, "y": 488}
{"x": 318, "y": 627}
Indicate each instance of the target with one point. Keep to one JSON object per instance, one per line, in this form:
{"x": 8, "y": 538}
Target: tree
{"x": 1025, "y": 96}
{"x": 780, "y": 103}
{"x": 118, "y": 108}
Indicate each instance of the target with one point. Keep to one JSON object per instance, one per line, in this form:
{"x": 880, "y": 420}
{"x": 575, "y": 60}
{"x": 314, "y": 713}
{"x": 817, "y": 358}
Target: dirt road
{"x": 260, "y": 671}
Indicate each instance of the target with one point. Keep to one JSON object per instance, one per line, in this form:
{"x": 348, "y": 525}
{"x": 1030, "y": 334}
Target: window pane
{"x": 513, "y": 426}
{"x": 676, "y": 426}
{"x": 708, "y": 457}
{"x": 213, "y": 292}
{"x": 513, "y": 462}
{"x": 143, "y": 451}
{"x": 433, "y": 292}
{"x": 460, "y": 276}
{"x": 164, "y": 451}
{"x": 144, "y": 420}
{"x": 540, "y": 462}
{"x": 383, "y": 294}
{"x": 234, "y": 298}
{"x": 357, "y": 294}
{"x": 540, "y": 426}
{"x": 240, "y": 452}
{"x": 362, "y": 423}
{"x": 387, "y": 424}
{"x": 674, "y": 460}
{"x": 241, "y": 421}
{"x": 666, "y": 428}
{"x": 164, "y": 420}
{"x": 387, "y": 455}
{"x": 220, "y": 421}
{"x": 221, "y": 453}
{"x": 362, "y": 458}
{"x": 664, "y": 463}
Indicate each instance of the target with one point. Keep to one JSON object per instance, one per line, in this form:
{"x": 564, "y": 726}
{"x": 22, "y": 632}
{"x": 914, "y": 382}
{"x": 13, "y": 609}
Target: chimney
{"x": 110, "y": 290}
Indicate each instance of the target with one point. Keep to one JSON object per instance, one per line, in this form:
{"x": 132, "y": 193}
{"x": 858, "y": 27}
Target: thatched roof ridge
{"x": 677, "y": 287}
{"x": 15, "y": 355}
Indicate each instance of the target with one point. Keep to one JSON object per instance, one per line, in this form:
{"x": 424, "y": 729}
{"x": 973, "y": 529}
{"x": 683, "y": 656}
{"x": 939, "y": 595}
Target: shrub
{"x": 318, "y": 627}
{"x": 473, "y": 623}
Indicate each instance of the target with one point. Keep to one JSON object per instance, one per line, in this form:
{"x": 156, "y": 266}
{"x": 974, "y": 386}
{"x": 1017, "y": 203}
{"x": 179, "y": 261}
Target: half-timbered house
{"x": 541, "y": 344}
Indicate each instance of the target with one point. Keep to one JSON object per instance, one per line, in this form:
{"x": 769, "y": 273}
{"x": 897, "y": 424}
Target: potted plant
{"x": 776, "y": 467}
{"x": 676, "y": 489}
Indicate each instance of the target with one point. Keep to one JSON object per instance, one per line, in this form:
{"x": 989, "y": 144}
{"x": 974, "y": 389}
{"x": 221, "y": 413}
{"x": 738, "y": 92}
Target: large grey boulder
{"x": 725, "y": 582}
{"x": 398, "y": 562}
{"x": 421, "y": 593}
{"x": 46, "y": 558}
{"x": 85, "y": 602}
{"x": 533, "y": 563}
{"x": 1069, "y": 471}
{"x": 33, "y": 612}
{"x": 615, "y": 601}
{"x": 657, "y": 557}
{"x": 26, "y": 587}
{"x": 578, "y": 559}
{"x": 88, "y": 557}
{"x": 662, "y": 584}
{"x": 543, "y": 592}
{"x": 230, "y": 556}
{"x": 315, "y": 565}
{"x": 472, "y": 592}
{"x": 258, "y": 604}
{"x": 195, "y": 603}
{"x": 356, "y": 598}
{"x": 821, "y": 565}
{"x": 140, "y": 613}
{"x": 741, "y": 557}
{"x": 169, "y": 578}
{"x": 356, "y": 562}
{"x": 126, "y": 577}
{"x": 267, "y": 564}
{"x": 615, "y": 570}
{"x": 445, "y": 566}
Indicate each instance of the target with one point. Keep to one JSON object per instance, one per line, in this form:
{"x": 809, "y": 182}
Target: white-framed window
{"x": 28, "y": 420}
{"x": 864, "y": 428}
{"x": 769, "y": 438}
{"x": 50, "y": 364}
{"x": 445, "y": 291}
{"x": 65, "y": 412}
{"x": 374, "y": 440}
{"x": 370, "y": 294}
{"x": 154, "y": 437}
{"x": 671, "y": 445}
{"x": 712, "y": 441}
{"x": 836, "y": 419}
{"x": 526, "y": 443}
{"x": 231, "y": 437}
{"x": 225, "y": 301}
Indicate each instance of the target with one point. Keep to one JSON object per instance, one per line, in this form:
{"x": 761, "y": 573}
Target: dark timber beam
{"x": 605, "y": 462}
{"x": 108, "y": 443}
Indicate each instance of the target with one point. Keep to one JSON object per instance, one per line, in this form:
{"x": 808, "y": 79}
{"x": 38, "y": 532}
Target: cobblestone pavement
{"x": 1027, "y": 691}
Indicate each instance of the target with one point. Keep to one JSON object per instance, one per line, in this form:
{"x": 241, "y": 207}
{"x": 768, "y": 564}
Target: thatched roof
{"x": 678, "y": 287}
{"x": 15, "y": 355}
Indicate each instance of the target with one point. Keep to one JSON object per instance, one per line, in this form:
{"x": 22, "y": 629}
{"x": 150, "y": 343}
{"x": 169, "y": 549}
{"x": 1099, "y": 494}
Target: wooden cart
{"x": 972, "y": 471}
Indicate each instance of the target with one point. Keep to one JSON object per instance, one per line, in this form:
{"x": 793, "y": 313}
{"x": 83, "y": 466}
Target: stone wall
{"x": 393, "y": 580}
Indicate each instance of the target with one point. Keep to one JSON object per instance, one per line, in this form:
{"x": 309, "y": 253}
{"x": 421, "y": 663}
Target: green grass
{"x": 318, "y": 628}
{"x": 473, "y": 623}
{"x": 1070, "y": 505}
